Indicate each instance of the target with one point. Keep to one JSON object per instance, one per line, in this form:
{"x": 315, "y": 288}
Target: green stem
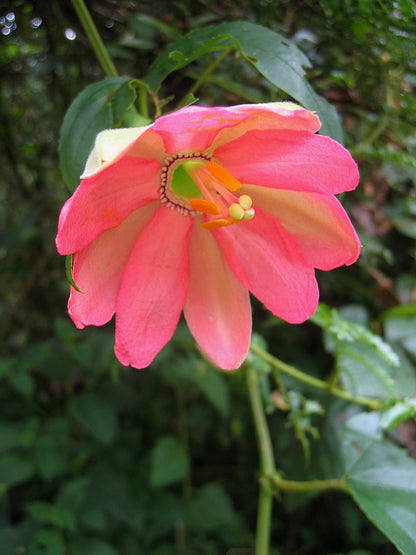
{"x": 94, "y": 38}
{"x": 310, "y": 485}
{"x": 264, "y": 514}
{"x": 142, "y": 101}
{"x": 279, "y": 365}
{"x": 203, "y": 77}
{"x": 267, "y": 468}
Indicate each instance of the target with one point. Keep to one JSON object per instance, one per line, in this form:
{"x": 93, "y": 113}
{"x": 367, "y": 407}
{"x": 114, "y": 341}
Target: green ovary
{"x": 182, "y": 184}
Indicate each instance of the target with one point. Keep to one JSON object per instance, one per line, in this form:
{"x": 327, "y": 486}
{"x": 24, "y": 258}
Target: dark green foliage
{"x": 99, "y": 106}
{"x": 271, "y": 54}
{"x": 96, "y": 459}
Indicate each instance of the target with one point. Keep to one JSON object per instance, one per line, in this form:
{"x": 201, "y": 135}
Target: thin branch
{"x": 280, "y": 366}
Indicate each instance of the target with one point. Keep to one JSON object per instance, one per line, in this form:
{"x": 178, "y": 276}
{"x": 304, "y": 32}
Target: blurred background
{"x": 98, "y": 459}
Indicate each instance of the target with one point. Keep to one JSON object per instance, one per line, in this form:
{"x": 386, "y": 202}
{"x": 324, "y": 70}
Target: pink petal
{"x": 99, "y": 267}
{"x": 294, "y": 160}
{"x": 217, "y": 307}
{"x": 153, "y": 288}
{"x": 105, "y": 199}
{"x": 148, "y": 146}
{"x": 193, "y": 128}
{"x": 272, "y": 115}
{"x": 196, "y": 128}
{"x": 269, "y": 263}
{"x": 318, "y": 224}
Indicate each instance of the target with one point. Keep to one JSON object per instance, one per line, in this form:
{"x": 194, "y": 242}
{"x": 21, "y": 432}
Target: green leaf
{"x": 358, "y": 434}
{"x": 22, "y": 381}
{"x": 51, "y": 541}
{"x": 96, "y": 415}
{"x": 91, "y": 546}
{"x": 15, "y": 539}
{"x": 363, "y": 372}
{"x": 14, "y": 470}
{"x": 407, "y": 226}
{"x": 131, "y": 119}
{"x": 399, "y": 412}
{"x": 122, "y": 99}
{"x": 211, "y": 509}
{"x": 368, "y": 365}
{"x": 17, "y": 434}
{"x": 50, "y": 514}
{"x": 274, "y": 56}
{"x": 49, "y": 457}
{"x": 344, "y": 329}
{"x": 382, "y": 479}
{"x": 110, "y": 491}
{"x": 161, "y": 522}
{"x": 400, "y": 326}
{"x": 209, "y": 382}
{"x": 148, "y": 21}
{"x": 170, "y": 462}
{"x": 214, "y": 387}
{"x": 247, "y": 93}
{"x": 98, "y": 107}
{"x": 73, "y": 494}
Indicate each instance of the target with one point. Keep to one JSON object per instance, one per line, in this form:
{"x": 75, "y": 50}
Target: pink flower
{"x": 196, "y": 210}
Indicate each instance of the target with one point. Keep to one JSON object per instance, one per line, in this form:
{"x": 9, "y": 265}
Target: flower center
{"x": 194, "y": 184}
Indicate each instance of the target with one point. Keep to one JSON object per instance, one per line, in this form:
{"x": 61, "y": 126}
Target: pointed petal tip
{"x": 217, "y": 307}
{"x": 153, "y": 289}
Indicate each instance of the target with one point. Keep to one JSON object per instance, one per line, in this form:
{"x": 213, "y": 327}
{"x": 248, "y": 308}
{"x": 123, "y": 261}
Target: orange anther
{"x": 223, "y": 176}
{"x": 214, "y": 224}
{"x": 204, "y": 206}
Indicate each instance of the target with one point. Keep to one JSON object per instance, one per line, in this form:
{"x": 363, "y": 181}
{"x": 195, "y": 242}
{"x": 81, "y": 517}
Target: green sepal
{"x": 68, "y": 270}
